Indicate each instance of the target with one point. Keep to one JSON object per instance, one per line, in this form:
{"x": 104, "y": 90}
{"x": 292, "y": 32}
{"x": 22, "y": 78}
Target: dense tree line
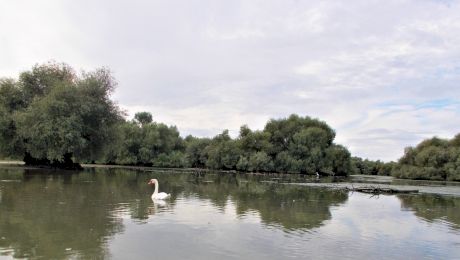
{"x": 144, "y": 142}
{"x": 293, "y": 145}
{"x": 369, "y": 167}
{"x": 53, "y": 116}
{"x": 432, "y": 159}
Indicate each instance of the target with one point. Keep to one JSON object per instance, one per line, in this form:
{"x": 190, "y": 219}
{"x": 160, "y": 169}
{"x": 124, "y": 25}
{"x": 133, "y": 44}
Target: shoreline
{"x": 199, "y": 171}
{"x": 10, "y": 162}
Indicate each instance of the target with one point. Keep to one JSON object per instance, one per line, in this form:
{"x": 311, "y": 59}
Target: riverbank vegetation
{"x": 432, "y": 159}
{"x": 56, "y": 117}
{"x": 52, "y": 116}
{"x": 369, "y": 167}
{"x": 291, "y": 145}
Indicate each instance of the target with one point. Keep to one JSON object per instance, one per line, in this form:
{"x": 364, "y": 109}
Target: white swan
{"x": 156, "y": 195}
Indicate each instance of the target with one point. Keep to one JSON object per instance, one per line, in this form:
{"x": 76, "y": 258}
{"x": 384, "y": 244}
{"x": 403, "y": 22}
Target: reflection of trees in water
{"x": 433, "y": 207}
{"x": 53, "y": 215}
{"x": 46, "y": 213}
{"x": 44, "y": 216}
{"x": 291, "y": 206}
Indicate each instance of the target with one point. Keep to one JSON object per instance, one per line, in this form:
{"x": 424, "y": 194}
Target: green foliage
{"x": 293, "y": 145}
{"x": 282, "y": 131}
{"x": 147, "y": 144}
{"x": 368, "y": 167}
{"x": 143, "y": 118}
{"x": 175, "y": 159}
{"x": 195, "y": 151}
{"x": 39, "y": 81}
{"x": 339, "y": 160}
{"x": 50, "y": 114}
{"x": 251, "y": 142}
{"x": 11, "y": 96}
{"x": 222, "y": 152}
{"x": 51, "y": 126}
{"x": 432, "y": 159}
{"x": 260, "y": 161}
{"x": 284, "y": 162}
{"x": 310, "y": 149}
{"x": 242, "y": 164}
{"x": 10, "y": 102}
{"x": 455, "y": 141}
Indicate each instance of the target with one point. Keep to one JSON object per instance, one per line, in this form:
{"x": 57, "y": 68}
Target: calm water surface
{"x": 108, "y": 213}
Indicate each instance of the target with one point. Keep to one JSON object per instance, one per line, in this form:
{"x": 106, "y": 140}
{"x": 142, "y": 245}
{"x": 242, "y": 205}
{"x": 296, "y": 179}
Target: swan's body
{"x": 156, "y": 195}
{"x": 160, "y": 196}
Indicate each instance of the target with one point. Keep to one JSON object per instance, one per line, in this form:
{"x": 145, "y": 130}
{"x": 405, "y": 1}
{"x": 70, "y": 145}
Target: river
{"x": 103, "y": 213}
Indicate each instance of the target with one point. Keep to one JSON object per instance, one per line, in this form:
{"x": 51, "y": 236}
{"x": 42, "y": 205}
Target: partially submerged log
{"x": 379, "y": 190}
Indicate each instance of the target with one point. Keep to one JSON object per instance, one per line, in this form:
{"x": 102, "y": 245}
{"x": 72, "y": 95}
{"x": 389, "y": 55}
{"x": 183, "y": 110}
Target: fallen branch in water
{"x": 379, "y": 190}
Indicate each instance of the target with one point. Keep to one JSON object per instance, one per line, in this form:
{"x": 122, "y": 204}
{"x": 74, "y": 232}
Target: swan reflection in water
{"x": 158, "y": 206}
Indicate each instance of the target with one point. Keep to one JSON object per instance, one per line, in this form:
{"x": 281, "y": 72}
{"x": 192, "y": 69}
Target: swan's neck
{"x": 156, "y": 188}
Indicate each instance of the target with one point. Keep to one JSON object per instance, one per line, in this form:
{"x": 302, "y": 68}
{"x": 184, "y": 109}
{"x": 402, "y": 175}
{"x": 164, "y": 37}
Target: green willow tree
{"x": 305, "y": 145}
{"x": 145, "y": 142}
{"x": 195, "y": 151}
{"x": 222, "y": 152}
{"x": 293, "y": 145}
{"x": 432, "y": 159}
{"x": 143, "y": 118}
{"x": 368, "y": 167}
{"x": 54, "y": 117}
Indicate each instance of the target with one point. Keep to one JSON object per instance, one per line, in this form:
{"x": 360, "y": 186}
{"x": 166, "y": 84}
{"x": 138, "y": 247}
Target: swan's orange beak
{"x": 150, "y": 182}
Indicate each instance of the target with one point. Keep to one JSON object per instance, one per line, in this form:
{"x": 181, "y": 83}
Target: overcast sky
{"x": 383, "y": 74}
